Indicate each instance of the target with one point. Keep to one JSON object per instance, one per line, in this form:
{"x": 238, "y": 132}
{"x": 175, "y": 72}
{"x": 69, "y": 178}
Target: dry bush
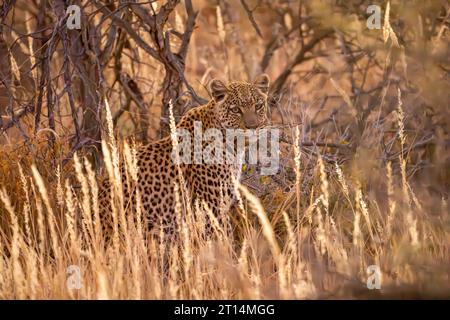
{"x": 364, "y": 156}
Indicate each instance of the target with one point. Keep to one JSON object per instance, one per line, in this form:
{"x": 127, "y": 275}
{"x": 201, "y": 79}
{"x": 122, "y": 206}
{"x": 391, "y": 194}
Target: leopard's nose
{"x": 250, "y": 121}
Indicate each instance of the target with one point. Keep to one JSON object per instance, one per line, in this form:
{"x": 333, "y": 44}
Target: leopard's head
{"x": 241, "y": 105}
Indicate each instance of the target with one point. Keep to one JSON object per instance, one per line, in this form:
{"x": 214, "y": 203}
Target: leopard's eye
{"x": 260, "y": 106}
{"x": 235, "y": 110}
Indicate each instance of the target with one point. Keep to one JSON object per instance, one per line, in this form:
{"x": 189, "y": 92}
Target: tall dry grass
{"x": 318, "y": 247}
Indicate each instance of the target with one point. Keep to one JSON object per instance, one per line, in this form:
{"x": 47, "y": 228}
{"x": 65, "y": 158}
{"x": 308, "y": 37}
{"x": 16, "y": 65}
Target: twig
{"x": 299, "y": 58}
{"x": 251, "y": 17}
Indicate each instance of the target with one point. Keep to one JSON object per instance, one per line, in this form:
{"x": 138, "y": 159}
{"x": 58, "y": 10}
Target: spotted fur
{"x": 239, "y": 105}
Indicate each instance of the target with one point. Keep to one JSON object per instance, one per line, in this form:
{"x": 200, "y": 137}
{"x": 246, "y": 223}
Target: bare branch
{"x": 251, "y": 17}
{"x": 299, "y": 58}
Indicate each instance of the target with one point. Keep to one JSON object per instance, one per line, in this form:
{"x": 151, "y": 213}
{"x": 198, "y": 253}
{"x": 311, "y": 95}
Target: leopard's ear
{"x": 262, "y": 82}
{"x": 217, "y": 89}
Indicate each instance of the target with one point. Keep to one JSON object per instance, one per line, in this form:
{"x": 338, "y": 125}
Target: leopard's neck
{"x": 204, "y": 114}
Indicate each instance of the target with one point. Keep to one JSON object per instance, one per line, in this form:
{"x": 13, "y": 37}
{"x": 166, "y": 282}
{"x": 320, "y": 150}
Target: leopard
{"x": 234, "y": 105}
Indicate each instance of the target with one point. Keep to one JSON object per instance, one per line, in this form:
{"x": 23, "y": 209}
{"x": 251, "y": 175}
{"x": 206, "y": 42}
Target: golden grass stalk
{"x": 41, "y": 235}
{"x": 26, "y": 206}
{"x": 342, "y": 180}
{"x": 320, "y": 242}
{"x": 298, "y": 177}
{"x": 86, "y": 197}
{"x": 409, "y": 221}
{"x": 243, "y": 259}
{"x": 59, "y": 189}
{"x": 185, "y": 198}
{"x": 218, "y": 230}
{"x": 102, "y": 285}
{"x": 258, "y": 209}
{"x": 174, "y": 281}
{"x": 94, "y": 198}
{"x": 220, "y": 25}
{"x": 388, "y": 32}
{"x": 16, "y": 244}
{"x": 324, "y": 185}
{"x": 114, "y": 191}
{"x": 391, "y": 201}
{"x": 269, "y": 234}
{"x": 70, "y": 216}
{"x": 401, "y": 120}
{"x": 187, "y": 250}
{"x": 343, "y": 94}
{"x": 357, "y": 236}
{"x": 55, "y": 243}
{"x": 112, "y": 163}
{"x": 291, "y": 251}
{"x": 362, "y": 206}
{"x": 130, "y": 155}
{"x": 309, "y": 211}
